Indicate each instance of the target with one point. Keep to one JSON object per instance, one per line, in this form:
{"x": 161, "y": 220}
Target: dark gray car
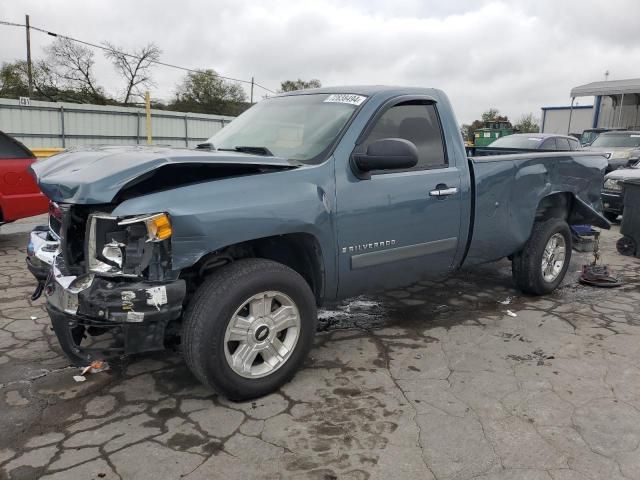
{"x": 537, "y": 141}
{"x": 528, "y": 142}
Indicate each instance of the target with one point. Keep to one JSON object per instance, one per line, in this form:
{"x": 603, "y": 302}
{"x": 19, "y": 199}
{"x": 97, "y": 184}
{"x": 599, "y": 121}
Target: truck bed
{"x": 489, "y": 150}
{"x": 507, "y": 188}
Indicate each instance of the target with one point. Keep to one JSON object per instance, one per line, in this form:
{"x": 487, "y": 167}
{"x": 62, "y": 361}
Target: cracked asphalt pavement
{"x": 435, "y": 381}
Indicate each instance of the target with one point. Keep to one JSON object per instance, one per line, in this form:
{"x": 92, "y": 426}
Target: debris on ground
{"x": 511, "y": 314}
{"x": 598, "y": 276}
{"x": 96, "y": 366}
{"x": 506, "y": 301}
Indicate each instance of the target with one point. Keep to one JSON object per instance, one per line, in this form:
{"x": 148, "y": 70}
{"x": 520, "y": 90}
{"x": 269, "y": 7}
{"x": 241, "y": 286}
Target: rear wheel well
{"x": 299, "y": 251}
{"x": 557, "y": 205}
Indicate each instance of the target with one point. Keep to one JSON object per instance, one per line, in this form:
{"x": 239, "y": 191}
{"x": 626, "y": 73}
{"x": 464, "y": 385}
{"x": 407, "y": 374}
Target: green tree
{"x": 13, "y": 81}
{"x": 527, "y": 124}
{"x": 493, "y": 115}
{"x": 469, "y": 130}
{"x": 205, "y": 92}
{"x": 490, "y": 115}
{"x": 299, "y": 84}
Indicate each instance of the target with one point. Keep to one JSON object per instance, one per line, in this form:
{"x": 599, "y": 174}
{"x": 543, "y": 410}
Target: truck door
{"x": 399, "y": 226}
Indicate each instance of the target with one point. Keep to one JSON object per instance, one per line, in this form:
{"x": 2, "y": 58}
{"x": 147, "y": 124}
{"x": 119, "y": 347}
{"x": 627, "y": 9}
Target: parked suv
{"x": 621, "y": 147}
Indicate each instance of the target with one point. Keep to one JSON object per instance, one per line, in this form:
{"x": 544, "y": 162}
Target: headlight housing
{"x": 613, "y": 185}
{"x": 158, "y": 225}
{"x": 128, "y": 246}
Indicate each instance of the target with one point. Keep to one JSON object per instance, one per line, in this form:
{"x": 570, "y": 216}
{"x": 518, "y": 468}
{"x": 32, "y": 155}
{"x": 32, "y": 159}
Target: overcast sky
{"x": 516, "y": 56}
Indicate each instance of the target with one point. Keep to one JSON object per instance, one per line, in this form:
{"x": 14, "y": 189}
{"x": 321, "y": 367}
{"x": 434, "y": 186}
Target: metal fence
{"x": 48, "y": 124}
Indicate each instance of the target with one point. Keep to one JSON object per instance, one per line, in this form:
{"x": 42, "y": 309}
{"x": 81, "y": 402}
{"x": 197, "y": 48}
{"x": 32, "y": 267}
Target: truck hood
{"x": 102, "y": 173}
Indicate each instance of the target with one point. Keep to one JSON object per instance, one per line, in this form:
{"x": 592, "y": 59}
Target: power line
{"x": 112, "y": 50}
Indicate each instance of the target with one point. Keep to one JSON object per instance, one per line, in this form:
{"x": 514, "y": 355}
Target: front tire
{"x": 543, "y": 262}
{"x": 249, "y": 328}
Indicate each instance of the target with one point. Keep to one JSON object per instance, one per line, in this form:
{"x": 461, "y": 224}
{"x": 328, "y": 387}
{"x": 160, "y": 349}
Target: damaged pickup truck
{"x": 309, "y": 196}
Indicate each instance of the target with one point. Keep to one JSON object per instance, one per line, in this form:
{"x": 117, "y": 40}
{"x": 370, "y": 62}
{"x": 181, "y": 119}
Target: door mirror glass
{"x": 387, "y": 154}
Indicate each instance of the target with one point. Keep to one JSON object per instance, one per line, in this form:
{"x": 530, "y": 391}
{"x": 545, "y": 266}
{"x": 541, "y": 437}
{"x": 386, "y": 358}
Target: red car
{"x": 20, "y": 196}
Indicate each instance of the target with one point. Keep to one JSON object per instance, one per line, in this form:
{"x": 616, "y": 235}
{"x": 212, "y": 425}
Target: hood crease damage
{"x": 109, "y": 174}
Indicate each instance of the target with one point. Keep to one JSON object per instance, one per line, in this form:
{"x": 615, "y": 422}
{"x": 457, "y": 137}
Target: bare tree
{"x": 72, "y": 63}
{"x": 46, "y": 83}
{"x": 135, "y": 68}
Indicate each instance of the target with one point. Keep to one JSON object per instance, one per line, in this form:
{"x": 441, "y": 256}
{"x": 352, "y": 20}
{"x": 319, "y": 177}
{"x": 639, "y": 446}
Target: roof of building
{"x": 568, "y": 107}
{"x": 610, "y": 87}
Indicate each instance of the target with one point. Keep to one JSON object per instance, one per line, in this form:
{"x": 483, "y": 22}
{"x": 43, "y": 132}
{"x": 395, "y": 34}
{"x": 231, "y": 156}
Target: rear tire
{"x": 626, "y": 246}
{"x": 237, "y": 312}
{"x": 543, "y": 262}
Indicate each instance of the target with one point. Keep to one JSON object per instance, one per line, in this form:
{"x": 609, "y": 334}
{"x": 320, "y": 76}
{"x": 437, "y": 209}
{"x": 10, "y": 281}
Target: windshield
{"x": 299, "y": 127}
{"x": 588, "y": 137}
{"x": 517, "y": 141}
{"x": 629, "y": 140}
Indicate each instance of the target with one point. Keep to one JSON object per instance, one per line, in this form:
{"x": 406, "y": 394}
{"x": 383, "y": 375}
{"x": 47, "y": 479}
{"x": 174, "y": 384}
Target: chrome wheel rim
{"x": 553, "y": 257}
{"x": 262, "y": 334}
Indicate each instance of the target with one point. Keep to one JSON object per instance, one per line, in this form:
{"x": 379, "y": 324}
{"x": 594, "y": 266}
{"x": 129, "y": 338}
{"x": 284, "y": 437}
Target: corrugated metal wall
{"x": 556, "y": 119}
{"x": 47, "y": 124}
{"x": 611, "y": 116}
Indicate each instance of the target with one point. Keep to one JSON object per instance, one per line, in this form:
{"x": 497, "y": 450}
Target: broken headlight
{"x": 612, "y": 185}
{"x": 127, "y": 246}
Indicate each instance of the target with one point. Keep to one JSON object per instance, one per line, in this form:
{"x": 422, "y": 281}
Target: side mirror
{"x": 386, "y": 154}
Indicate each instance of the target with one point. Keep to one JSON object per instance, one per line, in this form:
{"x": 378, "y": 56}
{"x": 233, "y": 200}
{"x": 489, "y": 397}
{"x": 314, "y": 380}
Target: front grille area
{"x": 69, "y": 222}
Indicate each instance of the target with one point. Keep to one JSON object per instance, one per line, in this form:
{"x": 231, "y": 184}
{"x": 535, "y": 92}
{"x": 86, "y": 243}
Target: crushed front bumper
{"x": 98, "y": 317}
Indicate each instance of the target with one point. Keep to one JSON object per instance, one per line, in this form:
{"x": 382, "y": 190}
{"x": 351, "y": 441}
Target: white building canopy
{"x": 611, "y": 87}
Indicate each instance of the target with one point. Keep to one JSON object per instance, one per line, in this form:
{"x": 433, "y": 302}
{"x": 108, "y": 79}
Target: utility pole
{"x": 606, "y": 75}
{"x": 29, "y": 72}
{"x": 252, "y": 90}
{"x": 147, "y": 108}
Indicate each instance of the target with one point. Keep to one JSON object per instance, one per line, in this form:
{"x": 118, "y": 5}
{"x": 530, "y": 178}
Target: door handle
{"x": 443, "y": 192}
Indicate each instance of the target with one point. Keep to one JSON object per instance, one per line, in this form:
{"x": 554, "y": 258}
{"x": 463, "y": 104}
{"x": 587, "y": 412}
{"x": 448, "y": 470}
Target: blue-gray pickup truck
{"x": 309, "y": 196}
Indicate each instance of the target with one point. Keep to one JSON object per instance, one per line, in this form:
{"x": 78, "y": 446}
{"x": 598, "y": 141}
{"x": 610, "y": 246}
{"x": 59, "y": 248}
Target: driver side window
{"x": 417, "y": 122}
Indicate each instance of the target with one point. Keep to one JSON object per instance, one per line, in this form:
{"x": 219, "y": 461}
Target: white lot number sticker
{"x": 349, "y": 98}
{"x": 157, "y": 296}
